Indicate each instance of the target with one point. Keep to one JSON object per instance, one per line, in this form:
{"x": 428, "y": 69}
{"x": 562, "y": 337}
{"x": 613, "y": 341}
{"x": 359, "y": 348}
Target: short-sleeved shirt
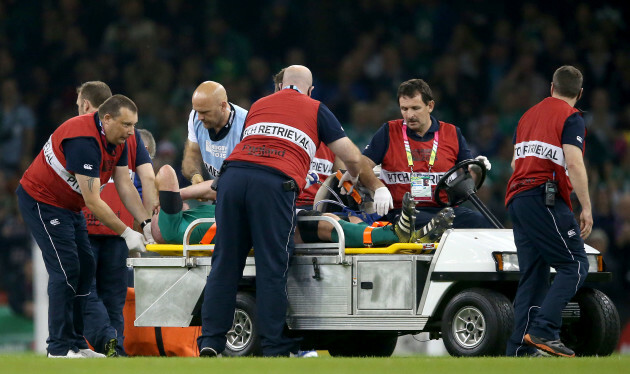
{"x": 215, "y": 147}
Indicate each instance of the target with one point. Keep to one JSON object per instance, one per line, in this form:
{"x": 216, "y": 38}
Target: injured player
{"x": 169, "y": 224}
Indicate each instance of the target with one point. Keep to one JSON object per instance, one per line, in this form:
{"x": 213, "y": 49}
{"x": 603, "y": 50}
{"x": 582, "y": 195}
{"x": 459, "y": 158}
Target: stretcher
{"x": 196, "y": 250}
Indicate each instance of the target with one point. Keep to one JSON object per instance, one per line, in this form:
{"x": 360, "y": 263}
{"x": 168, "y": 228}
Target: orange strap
{"x": 209, "y": 235}
{"x": 349, "y": 187}
{"x": 367, "y": 233}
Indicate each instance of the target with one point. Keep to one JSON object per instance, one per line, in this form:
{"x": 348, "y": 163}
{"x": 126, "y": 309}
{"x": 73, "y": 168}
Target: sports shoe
{"x": 432, "y": 231}
{"x": 70, "y": 354}
{"x": 405, "y": 225}
{"x": 208, "y": 352}
{"x": 88, "y": 353}
{"x": 305, "y": 354}
{"x": 110, "y": 348}
{"x": 553, "y": 347}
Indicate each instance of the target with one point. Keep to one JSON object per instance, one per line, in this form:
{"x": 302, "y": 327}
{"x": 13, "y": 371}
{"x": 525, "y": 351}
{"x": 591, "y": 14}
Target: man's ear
{"x": 551, "y": 89}
{"x": 310, "y": 90}
{"x": 579, "y": 96}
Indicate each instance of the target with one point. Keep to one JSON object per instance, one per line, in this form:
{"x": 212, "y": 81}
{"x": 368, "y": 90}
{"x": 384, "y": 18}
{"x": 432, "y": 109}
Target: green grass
{"x": 26, "y": 364}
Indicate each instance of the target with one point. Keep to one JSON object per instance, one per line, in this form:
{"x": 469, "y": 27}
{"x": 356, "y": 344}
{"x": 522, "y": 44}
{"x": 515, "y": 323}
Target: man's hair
{"x": 96, "y": 92}
{"x": 149, "y": 141}
{"x": 567, "y": 81}
{"x": 112, "y": 106}
{"x": 277, "y": 79}
{"x": 413, "y": 87}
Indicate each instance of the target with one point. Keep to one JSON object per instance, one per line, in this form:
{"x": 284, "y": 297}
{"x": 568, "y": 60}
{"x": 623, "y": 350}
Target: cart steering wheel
{"x": 458, "y": 183}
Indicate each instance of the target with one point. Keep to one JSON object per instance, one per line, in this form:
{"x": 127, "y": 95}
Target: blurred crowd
{"x": 486, "y": 61}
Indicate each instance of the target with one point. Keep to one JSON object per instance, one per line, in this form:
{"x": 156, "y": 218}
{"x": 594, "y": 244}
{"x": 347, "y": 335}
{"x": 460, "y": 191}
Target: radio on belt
{"x": 551, "y": 189}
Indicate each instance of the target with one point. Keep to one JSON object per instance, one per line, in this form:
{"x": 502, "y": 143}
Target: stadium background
{"x": 486, "y": 61}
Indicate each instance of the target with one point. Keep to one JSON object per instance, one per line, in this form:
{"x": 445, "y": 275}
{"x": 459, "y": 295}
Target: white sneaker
{"x": 88, "y": 353}
{"x": 70, "y": 354}
{"x": 306, "y": 354}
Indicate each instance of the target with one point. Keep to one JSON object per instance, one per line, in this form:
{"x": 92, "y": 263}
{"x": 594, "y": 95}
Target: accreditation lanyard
{"x": 408, "y": 149}
{"x": 420, "y": 182}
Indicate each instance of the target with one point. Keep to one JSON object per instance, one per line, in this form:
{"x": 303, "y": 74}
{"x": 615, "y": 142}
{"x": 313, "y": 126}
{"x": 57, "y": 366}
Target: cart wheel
{"x": 477, "y": 322}
{"x": 243, "y": 338}
{"x": 597, "y": 331}
{"x": 364, "y": 343}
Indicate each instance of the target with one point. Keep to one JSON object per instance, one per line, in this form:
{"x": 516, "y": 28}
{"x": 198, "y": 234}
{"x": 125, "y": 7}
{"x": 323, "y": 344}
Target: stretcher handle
{"x": 186, "y": 241}
{"x": 341, "y": 246}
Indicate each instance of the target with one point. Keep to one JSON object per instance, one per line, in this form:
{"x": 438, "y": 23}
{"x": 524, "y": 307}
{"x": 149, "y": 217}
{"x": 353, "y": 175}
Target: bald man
{"x": 262, "y": 179}
{"x": 214, "y": 128}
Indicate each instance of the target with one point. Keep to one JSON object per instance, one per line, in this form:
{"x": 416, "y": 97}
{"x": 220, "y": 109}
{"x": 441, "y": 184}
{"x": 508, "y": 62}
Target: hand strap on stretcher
{"x": 350, "y": 188}
{"x": 209, "y": 235}
{"x": 367, "y": 233}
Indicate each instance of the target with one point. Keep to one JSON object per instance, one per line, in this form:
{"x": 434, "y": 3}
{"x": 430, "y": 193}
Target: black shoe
{"x": 406, "y": 224}
{"x": 553, "y": 347}
{"x": 110, "y": 348}
{"x": 207, "y": 352}
{"x": 432, "y": 231}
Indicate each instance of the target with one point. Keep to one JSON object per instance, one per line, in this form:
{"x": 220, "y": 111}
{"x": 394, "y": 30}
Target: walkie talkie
{"x": 551, "y": 189}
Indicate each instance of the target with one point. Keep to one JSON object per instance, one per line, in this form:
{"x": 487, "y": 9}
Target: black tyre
{"x": 243, "y": 338}
{"x": 364, "y": 343}
{"x": 477, "y": 322}
{"x": 596, "y": 332}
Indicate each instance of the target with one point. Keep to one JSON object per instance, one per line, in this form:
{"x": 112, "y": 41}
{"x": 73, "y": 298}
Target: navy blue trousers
{"x": 103, "y": 318}
{"x": 252, "y": 210}
{"x": 63, "y": 239}
{"x": 544, "y": 237}
{"x": 465, "y": 218}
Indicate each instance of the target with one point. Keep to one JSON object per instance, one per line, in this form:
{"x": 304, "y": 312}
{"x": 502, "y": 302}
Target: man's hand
{"x": 148, "y": 237}
{"x": 586, "y": 223}
{"x": 347, "y": 177}
{"x": 134, "y": 240}
{"x": 485, "y": 161}
{"x": 197, "y": 178}
{"x": 383, "y": 201}
{"x": 311, "y": 179}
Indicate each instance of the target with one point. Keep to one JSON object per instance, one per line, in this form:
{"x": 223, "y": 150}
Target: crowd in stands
{"x": 486, "y": 61}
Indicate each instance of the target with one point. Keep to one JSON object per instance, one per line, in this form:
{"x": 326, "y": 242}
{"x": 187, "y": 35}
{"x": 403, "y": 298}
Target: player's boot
{"x": 432, "y": 231}
{"x": 405, "y": 225}
{"x": 110, "y": 348}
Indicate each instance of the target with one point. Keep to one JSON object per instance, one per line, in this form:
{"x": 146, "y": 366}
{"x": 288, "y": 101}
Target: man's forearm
{"x": 367, "y": 177}
{"x": 190, "y": 167}
{"x": 579, "y": 181}
{"x": 106, "y": 216}
{"x": 130, "y": 198}
{"x": 199, "y": 191}
{"x": 577, "y": 174}
{"x": 149, "y": 192}
{"x": 191, "y": 163}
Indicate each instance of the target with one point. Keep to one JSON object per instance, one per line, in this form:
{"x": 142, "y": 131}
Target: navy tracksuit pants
{"x": 103, "y": 318}
{"x": 63, "y": 239}
{"x": 253, "y": 209}
{"x": 544, "y": 237}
